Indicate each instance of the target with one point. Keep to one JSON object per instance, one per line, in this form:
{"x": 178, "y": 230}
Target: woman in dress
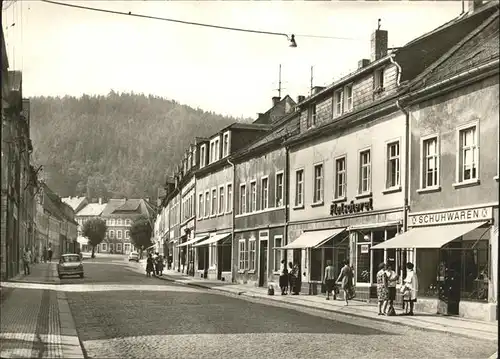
{"x": 329, "y": 280}
{"x": 382, "y": 289}
{"x": 411, "y": 282}
{"x": 345, "y": 276}
{"x": 392, "y": 279}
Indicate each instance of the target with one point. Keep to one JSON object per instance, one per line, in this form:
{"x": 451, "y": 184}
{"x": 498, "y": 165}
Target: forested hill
{"x": 116, "y": 145}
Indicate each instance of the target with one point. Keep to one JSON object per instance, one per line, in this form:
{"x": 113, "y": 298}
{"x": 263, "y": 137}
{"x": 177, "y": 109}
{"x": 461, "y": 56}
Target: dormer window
{"x": 203, "y": 155}
{"x": 225, "y": 144}
{"x": 311, "y": 116}
{"x": 194, "y": 157}
{"x": 378, "y": 80}
{"x": 214, "y": 150}
{"x": 338, "y": 100}
{"x": 348, "y": 102}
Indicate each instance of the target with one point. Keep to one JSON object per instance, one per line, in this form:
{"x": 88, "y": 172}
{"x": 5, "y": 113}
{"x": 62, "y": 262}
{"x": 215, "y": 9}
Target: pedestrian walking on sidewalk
{"x": 284, "y": 278}
{"x": 329, "y": 280}
{"x": 26, "y": 260}
{"x": 49, "y": 253}
{"x": 44, "y": 254}
{"x": 382, "y": 289}
{"x": 345, "y": 277}
{"x": 149, "y": 265}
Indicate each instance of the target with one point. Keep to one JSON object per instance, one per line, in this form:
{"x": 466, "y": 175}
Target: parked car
{"x": 133, "y": 256}
{"x": 70, "y": 264}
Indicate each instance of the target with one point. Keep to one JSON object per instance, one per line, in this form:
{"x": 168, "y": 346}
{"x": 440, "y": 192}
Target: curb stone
{"x": 70, "y": 343}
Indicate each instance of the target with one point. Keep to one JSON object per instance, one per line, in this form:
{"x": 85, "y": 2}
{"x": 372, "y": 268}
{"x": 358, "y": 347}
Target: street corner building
{"x": 395, "y": 162}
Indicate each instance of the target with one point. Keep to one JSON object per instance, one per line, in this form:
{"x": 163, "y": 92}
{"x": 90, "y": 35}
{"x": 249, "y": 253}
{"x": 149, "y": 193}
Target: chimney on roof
{"x": 379, "y": 44}
{"x": 276, "y": 99}
{"x": 317, "y": 89}
{"x": 300, "y": 98}
{"x": 474, "y": 5}
{"x": 363, "y": 63}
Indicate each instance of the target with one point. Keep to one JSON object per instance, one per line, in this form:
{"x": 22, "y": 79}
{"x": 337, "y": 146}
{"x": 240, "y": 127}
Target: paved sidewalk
{"x": 455, "y": 325}
{"x": 36, "y": 321}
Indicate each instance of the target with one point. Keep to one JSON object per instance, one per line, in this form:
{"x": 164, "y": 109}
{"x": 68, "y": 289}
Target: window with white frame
{"x": 127, "y": 234}
{"x": 318, "y": 183}
{"x": 243, "y": 199}
{"x": 299, "y": 187}
{"x": 229, "y": 205}
{"x": 348, "y": 105}
{"x": 364, "y": 171}
{"x": 111, "y": 234}
{"x": 119, "y": 222}
{"x": 393, "y": 165}
{"x": 242, "y": 255}
{"x": 278, "y": 253}
{"x": 112, "y": 221}
{"x": 311, "y": 116}
{"x": 118, "y": 247}
{"x": 338, "y": 98}
{"x": 214, "y": 202}
{"x": 126, "y": 247}
{"x": 104, "y": 247}
{"x": 468, "y": 156}
{"x": 279, "y": 190}
{"x": 200, "y": 205}
{"x": 252, "y": 250}
{"x": 264, "y": 193}
{"x": 340, "y": 177}
{"x": 225, "y": 144}
{"x": 128, "y": 222}
{"x": 203, "y": 155}
{"x": 214, "y": 150}
{"x": 221, "y": 200}
{"x": 430, "y": 163}
{"x": 253, "y": 196}
{"x": 194, "y": 157}
{"x": 207, "y": 204}
{"x": 119, "y": 234}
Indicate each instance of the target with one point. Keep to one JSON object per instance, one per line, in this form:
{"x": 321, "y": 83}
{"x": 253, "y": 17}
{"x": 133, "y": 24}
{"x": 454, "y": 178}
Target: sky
{"x": 67, "y": 51}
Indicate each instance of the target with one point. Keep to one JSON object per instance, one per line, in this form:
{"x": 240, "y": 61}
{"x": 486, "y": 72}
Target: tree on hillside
{"x": 95, "y": 230}
{"x": 140, "y": 232}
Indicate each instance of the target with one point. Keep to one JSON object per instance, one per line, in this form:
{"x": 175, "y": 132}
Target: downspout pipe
{"x": 233, "y": 274}
{"x": 286, "y": 196}
{"x": 407, "y": 164}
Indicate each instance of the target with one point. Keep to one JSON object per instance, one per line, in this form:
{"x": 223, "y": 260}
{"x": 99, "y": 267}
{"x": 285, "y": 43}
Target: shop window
{"x": 316, "y": 264}
{"x": 378, "y": 255}
{"x": 363, "y": 262}
{"x": 278, "y": 253}
{"x": 252, "y": 249}
{"x": 475, "y": 270}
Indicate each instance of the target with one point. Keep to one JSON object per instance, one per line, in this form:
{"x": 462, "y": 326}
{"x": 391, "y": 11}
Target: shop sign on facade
{"x": 450, "y": 217}
{"x": 365, "y": 248}
{"x": 337, "y": 209}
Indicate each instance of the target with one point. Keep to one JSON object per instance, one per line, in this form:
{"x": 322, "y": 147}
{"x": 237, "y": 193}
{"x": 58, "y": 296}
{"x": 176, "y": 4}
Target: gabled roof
{"x": 478, "y": 48}
{"x": 131, "y": 205}
{"x": 91, "y": 209}
{"x": 127, "y": 207}
{"x": 112, "y": 205}
{"x": 74, "y": 202}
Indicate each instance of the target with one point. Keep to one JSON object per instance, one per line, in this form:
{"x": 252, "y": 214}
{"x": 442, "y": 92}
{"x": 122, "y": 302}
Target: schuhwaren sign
{"x": 463, "y": 215}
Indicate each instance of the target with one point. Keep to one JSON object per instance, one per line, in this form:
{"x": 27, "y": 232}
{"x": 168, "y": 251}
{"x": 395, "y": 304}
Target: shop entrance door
{"x": 452, "y": 277}
{"x": 263, "y": 264}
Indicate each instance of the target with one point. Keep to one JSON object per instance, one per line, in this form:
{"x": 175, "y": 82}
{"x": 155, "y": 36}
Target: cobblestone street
{"x": 120, "y": 313}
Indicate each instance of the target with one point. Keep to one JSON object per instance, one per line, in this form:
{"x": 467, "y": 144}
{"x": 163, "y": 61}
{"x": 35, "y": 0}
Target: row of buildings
{"x": 397, "y": 161}
{"x": 119, "y": 214}
{"x": 32, "y": 215}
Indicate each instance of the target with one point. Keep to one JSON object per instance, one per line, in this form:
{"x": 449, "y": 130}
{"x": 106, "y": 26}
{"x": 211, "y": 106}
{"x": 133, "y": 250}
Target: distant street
{"x": 121, "y": 313}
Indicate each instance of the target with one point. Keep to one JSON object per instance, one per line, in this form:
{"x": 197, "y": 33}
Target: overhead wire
{"x": 115, "y": 12}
